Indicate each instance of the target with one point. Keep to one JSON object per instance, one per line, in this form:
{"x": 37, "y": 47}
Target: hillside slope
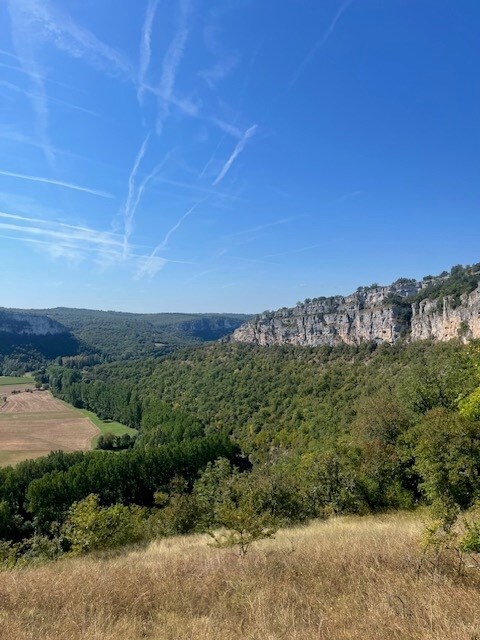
{"x": 344, "y": 578}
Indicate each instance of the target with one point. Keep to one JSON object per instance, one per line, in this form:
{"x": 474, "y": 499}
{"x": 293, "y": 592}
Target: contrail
{"x": 320, "y": 42}
{"x": 146, "y": 46}
{"x": 132, "y": 197}
{"x": 149, "y": 264}
{"x": 171, "y": 62}
{"x": 236, "y": 152}
{"x": 58, "y": 183}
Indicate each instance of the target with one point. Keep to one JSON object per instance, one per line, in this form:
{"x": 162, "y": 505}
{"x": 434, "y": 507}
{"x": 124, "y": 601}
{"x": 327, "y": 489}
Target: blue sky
{"x": 233, "y": 155}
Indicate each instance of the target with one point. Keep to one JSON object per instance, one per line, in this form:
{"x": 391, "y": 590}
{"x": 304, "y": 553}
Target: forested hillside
{"x": 126, "y": 335}
{"x": 314, "y": 431}
{"x": 30, "y": 339}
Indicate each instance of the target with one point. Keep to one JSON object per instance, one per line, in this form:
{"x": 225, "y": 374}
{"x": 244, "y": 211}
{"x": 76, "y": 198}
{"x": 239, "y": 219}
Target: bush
{"x": 90, "y": 527}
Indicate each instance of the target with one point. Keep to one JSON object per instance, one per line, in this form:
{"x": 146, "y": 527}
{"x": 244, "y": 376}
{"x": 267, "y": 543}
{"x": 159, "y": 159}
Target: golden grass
{"x": 345, "y": 578}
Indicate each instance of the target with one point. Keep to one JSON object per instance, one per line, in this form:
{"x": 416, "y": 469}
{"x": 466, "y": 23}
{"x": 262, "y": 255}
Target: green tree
{"x": 446, "y": 448}
{"x": 242, "y": 516}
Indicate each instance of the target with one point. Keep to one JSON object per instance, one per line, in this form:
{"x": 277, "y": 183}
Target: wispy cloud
{"x": 32, "y": 74}
{"x": 8, "y": 133}
{"x": 146, "y": 46}
{"x": 292, "y": 251}
{"x": 236, "y": 152}
{"x": 177, "y": 225}
{"x": 220, "y": 70}
{"x": 267, "y": 225}
{"x": 247, "y": 236}
{"x": 135, "y": 193}
{"x": 347, "y": 196}
{"x": 9, "y": 54}
{"x": 59, "y": 239}
{"x": 171, "y": 62}
{"x": 64, "y": 225}
{"x": 50, "y": 23}
{"x": 227, "y": 127}
{"x": 252, "y": 260}
{"x": 199, "y": 275}
{"x": 70, "y": 235}
{"x": 198, "y": 189}
{"x": 76, "y": 243}
{"x": 13, "y": 87}
{"x": 58, "y": 183}
{"x": 149, "y": 266}
{"x": 320, "y": 43}
{"x": 22, "y": 35}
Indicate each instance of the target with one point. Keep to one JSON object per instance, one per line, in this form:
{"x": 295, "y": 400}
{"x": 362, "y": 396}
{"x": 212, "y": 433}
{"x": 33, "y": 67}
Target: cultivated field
{"x": 344, "y": 579}
{"x": 33, "y": 423}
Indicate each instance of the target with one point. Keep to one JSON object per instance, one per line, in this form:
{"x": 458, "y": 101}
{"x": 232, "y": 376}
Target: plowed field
{"x": 33, "y": 423}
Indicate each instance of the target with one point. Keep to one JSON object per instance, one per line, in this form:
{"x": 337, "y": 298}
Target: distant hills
{"x": 108, "y": 334}
{"x": 440, "y": 307}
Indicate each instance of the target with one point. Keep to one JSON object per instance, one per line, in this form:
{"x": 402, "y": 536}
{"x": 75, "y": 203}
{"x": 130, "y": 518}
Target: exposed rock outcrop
{"x": 28, "y": 324}
{"x": 375, "y": 314}
{"x": 444, "y": 319}
{"x": 209, "y": 328}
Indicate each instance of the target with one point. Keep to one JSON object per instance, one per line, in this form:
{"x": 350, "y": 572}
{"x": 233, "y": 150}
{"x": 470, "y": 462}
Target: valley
{"x": 346, "y": 469}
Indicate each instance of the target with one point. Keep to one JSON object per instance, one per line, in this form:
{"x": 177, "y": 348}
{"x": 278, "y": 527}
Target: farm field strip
{"x": 6, "y": 389}
{"x": 38, "y": 415}
{"x": 35, "y": 423}
{"x": 32, "y": 402}
{"x": 106, "y": 426}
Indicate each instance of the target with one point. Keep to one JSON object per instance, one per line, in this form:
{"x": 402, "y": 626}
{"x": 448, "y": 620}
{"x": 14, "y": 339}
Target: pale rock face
{"x": 26, "y": 324}
{"x": 444, "y": 321}
{"x": 365, "y": 316}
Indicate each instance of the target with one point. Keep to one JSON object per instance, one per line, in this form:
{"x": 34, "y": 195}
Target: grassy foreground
{"x": 345, "y": 578}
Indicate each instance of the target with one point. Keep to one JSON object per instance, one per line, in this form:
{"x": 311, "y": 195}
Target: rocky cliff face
{"x": 210, "y": 328}
{"x": 381, "y": 314}
{"x": 445, "y": 319}
{"x": 29, "y": 325}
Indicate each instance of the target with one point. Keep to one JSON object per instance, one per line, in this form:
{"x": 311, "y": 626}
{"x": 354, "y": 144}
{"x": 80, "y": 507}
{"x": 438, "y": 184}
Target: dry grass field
{"x": 347, "y": 578}
{"x": 34, "y": 423}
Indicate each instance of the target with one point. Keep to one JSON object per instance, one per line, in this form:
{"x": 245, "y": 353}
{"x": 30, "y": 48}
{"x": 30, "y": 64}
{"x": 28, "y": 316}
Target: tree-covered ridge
{"x": 281, "y": 396}
{"x": 454, "y": 283}
{"x": 90, "y": 337}
{"x": 119, "y": 335}
{"x": 459, "y": 281}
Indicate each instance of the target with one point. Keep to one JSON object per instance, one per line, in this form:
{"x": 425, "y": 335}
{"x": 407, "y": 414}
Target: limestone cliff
{"x": 29, "y": 325}
{"x": 444, "y": 319}
{"x": 374, "y": 314}
{"x": 211, "y": 327}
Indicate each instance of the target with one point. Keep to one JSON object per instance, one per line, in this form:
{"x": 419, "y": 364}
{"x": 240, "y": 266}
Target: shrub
{"x": 91, "y": 527}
